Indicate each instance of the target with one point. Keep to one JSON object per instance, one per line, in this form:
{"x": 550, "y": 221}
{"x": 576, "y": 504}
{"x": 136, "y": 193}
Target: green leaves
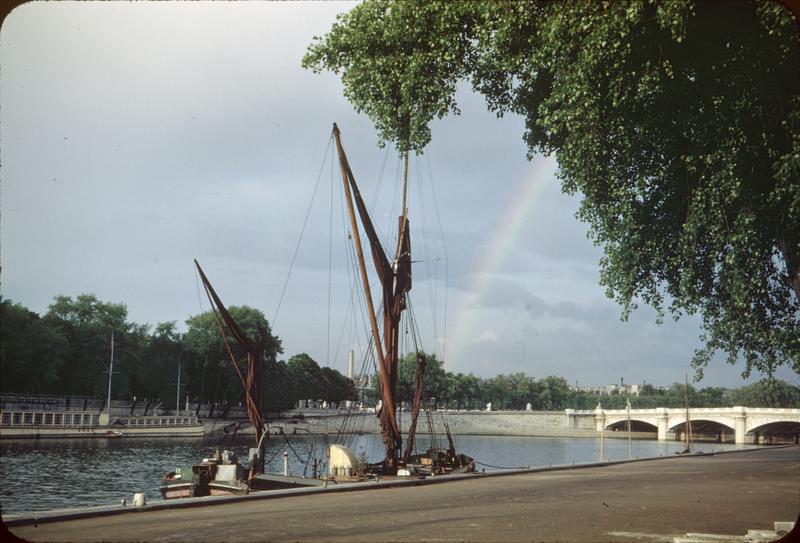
{"x": 767, "y": 393}
{"x": 678, "y": 123}
{"x": 399, "y": 63}
{"x": 32, "y": 354}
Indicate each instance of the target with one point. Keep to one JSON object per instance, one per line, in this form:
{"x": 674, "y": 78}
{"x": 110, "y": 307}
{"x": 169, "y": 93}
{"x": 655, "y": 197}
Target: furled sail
{"x": 254, "y": 349}
{"x": 395, "y": 283}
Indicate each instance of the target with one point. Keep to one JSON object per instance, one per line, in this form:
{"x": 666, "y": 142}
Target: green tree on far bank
{"x": 315, "y": 383}
{"x": 767, "y": 393}
{"x": 32, "y": 353}
{"x": 87, "y": 324}
{"x": 212, "y": 376}
{"x": 42, "y": 355}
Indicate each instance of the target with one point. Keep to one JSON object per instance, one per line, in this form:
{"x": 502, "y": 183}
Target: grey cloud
{"x": 500, "y": 293}
{"x": 138, "y": 136}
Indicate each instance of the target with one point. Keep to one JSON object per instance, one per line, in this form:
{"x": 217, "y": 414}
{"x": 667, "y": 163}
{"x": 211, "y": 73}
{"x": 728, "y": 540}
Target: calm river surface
{"x": 62, "y": 473}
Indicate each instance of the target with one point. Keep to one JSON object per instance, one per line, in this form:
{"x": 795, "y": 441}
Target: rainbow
{"x": 520, "y": 209}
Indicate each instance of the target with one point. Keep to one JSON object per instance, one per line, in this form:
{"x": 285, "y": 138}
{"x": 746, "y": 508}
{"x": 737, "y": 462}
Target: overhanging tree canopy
{"x": 678, "y": 123}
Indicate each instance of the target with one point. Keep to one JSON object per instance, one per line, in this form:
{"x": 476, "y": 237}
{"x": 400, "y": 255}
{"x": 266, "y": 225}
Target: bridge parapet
{"x": 738, "y": 418}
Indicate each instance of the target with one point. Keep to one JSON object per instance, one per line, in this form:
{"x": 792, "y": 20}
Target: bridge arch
{"x": 637, "y": 425}
{"x": 704, "y": 430}
{"x": 776, "y": 432}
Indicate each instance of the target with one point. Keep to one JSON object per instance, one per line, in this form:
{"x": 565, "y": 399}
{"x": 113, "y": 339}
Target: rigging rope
{"x": 426, "y": 249}
{"x": 197, "y": 282}
{"x": 302, "y": 231}
{"x": 446, "y": 257}
{"x": 330, "y": 268}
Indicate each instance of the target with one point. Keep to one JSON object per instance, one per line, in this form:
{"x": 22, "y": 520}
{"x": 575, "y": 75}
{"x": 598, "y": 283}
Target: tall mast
{"x": 178, "y": 394}
{"x": 628, "y": 413}
{"x": 395, "y": 279}
{"x": 345, "y": 168}
{"x": 687, "y": 428}
{"x": 110, "y": 372}
{"x": 404, "y": 211}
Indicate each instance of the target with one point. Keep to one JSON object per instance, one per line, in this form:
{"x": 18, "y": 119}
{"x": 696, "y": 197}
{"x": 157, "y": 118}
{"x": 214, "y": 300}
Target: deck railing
{"x": 85, "y": 419}
{"x": 143, "y": 421}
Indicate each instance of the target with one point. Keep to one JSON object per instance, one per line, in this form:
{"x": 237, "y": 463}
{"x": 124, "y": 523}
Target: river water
{"x": 64, "y": 473}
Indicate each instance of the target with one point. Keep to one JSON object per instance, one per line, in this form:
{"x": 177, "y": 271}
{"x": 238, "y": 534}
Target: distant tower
{"x": 351, "y": 365}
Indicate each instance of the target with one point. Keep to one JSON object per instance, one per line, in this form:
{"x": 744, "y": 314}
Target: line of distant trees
{"x": 515, "y": 391}
{"x": 67, "y": 351}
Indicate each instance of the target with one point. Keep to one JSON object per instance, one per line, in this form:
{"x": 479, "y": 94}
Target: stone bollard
{"x": 139, "y": 499}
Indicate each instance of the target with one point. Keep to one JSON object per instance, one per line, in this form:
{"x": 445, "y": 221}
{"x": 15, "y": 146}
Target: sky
{"x": 138, "y": 136}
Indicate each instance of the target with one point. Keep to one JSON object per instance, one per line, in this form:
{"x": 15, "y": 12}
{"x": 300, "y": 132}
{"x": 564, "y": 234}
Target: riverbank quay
{"x": 35, "y": 425}
{"x": 717, "y": 425}
{"x": 462, "y": 423}
{"x": 645, "y": 500}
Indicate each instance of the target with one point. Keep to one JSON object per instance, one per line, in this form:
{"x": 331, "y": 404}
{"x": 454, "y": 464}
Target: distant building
{"x": 608, "y": 390}
{"x": 363, "y": 385}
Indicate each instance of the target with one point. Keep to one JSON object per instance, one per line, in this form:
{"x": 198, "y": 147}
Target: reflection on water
{"x": 60, "y": 473}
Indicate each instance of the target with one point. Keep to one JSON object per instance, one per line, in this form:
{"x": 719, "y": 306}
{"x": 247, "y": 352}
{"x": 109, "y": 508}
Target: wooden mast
{"x": 395, "y": 278}
{"x": 393, "y": 290}
{"x": 404, "y": 217}
{"x": 345, "y": 168}
{"x": 687, "y": 429}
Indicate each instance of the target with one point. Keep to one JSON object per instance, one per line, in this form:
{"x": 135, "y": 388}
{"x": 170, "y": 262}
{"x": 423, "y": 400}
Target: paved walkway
{"x": 635, "y": 502}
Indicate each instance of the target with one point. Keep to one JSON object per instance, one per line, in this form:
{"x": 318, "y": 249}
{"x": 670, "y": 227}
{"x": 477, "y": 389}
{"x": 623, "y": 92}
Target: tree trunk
{"x": 788, "y": 246}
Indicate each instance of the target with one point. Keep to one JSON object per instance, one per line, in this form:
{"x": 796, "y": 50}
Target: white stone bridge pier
{"x": 745, "y": 422}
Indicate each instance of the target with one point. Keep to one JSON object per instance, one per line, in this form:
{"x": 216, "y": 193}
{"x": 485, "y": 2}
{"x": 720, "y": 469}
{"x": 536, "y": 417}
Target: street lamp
{"x": 628, "y": 413}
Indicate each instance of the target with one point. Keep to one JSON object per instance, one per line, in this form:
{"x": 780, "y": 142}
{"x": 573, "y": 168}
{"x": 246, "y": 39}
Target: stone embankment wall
{"x": 321, "y": 421}
{"x": 493, "y": 423}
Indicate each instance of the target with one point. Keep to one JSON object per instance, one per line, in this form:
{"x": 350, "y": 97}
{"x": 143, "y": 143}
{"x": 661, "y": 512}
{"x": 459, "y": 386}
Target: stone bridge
{"x": 745, "y": 422}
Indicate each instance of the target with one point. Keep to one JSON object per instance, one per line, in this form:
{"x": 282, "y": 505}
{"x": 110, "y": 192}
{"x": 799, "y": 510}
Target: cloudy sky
{"x": 137, "y": 136}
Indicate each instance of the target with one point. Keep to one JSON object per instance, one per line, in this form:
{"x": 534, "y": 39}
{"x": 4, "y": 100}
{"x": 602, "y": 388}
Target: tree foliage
{"x": 57, "y": 354}
{"x": 434, "y": 379}
{"x": 213, "y": 374}
{"x": 87, "y": 325}
{"x": 68, "y": 351}
{"x": 307, "y": 376}
{"x": 32, "y": 353}
{"x": 767, "y": 393}
{"x": 677, "y": 122}
{"x": 387, "y": 74}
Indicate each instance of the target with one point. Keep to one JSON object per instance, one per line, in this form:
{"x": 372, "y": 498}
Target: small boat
{"x": 219, "y": 475}
{"x": 111, "y": 434}
{"x": 223, "y": 473}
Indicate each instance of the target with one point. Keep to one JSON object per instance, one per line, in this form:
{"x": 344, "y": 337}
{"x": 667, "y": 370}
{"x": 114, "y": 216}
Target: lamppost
{"x": 628, "y": 413}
